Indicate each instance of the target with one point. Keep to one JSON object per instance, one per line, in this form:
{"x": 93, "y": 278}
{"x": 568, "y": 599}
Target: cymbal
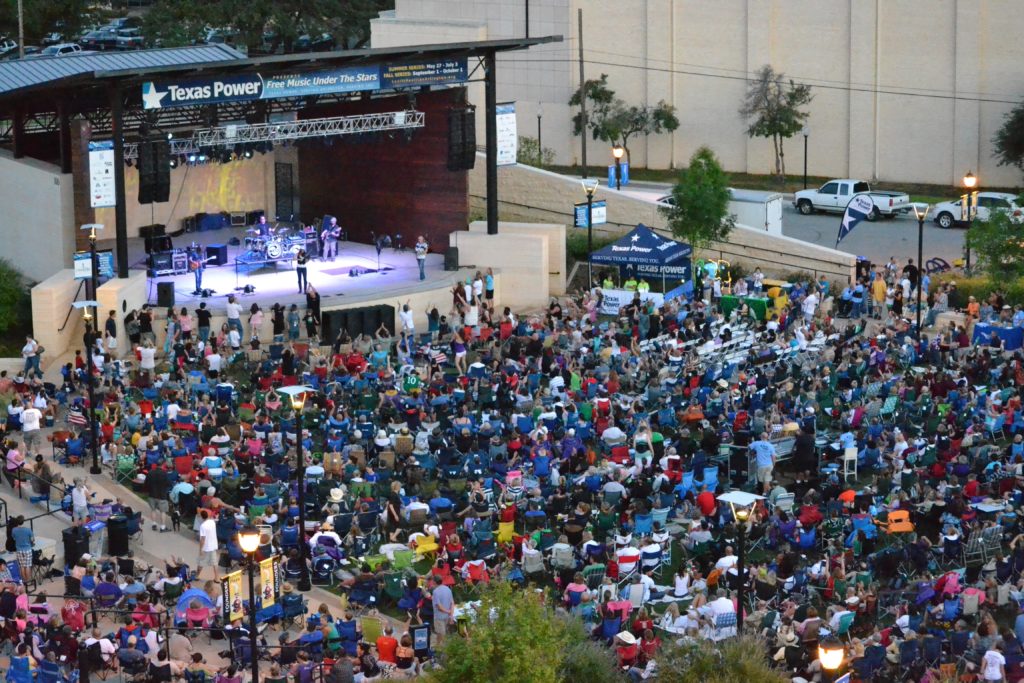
{"x": 252, "y": 231}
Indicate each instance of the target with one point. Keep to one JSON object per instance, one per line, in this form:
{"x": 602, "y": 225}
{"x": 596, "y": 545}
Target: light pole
{"x": 970, "y": 182}
{"x": 830, "y": 654}
{"x": 742, "y": 505}
{"x": 249, "y": 541}
{"x": 920, "y": 214}
{"x": 297, "y": 394}
{"x": 617, "y": 152}
{"x": 89, "y": 339}
{"x": 540, "y": 145}
{"x": 806, "y": 131}
{"x": 590, "y": 187}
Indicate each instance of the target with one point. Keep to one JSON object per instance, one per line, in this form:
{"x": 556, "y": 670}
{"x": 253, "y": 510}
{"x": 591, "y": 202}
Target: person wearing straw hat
{"x": 326, "y": 530}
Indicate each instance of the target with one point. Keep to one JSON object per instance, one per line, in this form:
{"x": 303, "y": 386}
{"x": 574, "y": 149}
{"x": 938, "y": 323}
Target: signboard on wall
{"x": 101, "y": 174}
{"x": 508, "y": 141}
{"x": 256, "y": 86}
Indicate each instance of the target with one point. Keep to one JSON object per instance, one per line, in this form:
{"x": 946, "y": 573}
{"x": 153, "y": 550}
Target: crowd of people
{"x": 583, "y": 453}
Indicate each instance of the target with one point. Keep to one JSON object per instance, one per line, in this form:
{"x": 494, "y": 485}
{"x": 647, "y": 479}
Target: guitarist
{"x": 197, "y": 264}
{"x": 330, "y": 236}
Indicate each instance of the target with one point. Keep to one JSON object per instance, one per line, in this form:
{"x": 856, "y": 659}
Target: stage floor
{"x": 396, "y": 276}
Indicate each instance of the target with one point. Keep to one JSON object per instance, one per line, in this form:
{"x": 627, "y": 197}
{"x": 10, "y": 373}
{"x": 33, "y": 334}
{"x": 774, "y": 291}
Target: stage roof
{"x": 29, "y": 77}
{"x": 17, "y": 75}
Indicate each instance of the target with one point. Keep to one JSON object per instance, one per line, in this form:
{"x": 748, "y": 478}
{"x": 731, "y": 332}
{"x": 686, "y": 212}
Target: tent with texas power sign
{"x": 645, "y": 253}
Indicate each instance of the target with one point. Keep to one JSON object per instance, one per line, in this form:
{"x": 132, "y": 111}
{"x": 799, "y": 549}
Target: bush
{"x": 15, "y": 306}
{"x": 576, "y": 244}
{"x": 735, "y": 660}
{"x": 528, "y": 152}
{"x": 979, "y": 288}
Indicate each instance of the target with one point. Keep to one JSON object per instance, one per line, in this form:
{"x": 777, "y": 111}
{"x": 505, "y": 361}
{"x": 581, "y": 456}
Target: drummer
{"x": 262, "y": 227}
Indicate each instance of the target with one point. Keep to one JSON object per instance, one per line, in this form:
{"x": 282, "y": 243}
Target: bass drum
{"x": 295, "y": 249}
{"x": 274, "y": 249}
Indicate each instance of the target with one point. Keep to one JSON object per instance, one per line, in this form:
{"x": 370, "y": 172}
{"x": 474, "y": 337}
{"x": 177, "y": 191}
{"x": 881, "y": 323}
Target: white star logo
{"x": 636, "y": 238}
{"x": 151, "y": 99}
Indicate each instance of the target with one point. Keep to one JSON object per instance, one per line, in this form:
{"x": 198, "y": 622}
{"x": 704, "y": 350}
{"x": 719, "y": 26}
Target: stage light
{"x": 202, "y": 158}
{"x": 174, "y": 163}
{"x": 248, "y": 154}
{"x": 191, "y": 158}
{"x": 170, "y": 136}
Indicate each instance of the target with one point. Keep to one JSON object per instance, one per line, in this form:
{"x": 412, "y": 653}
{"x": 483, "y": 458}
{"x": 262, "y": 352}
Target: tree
{"x": 1009, "y": 139}
{"x": 529, "y": 153}
{"x": 183, "y": 22}
{"x": 64, "y": 16}
{"x": 515, "y": 638}
{"x": 772, "y": 110}
{"x": 999, "y": 245}
{"x": 15, "y": 300}
{"x": 613, "y": 121}
{"x": 734, "y": 660}
{"x": 699, "y": 211}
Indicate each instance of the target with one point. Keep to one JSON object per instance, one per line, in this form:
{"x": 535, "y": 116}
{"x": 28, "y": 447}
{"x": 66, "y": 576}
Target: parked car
{"x": 307, "y": 43}
{"x": 61, "y": 50}
{"x": 949, "y": 214}
{"x": 100, "y": 39}
{"x": 53, "y": 38}
{"x": 835, "y": 195}
{"x": 130, "y": 39}
{"x": 7, "y": 45}
{"x": 215, "y": 36}
{"x": 126, "y": 22}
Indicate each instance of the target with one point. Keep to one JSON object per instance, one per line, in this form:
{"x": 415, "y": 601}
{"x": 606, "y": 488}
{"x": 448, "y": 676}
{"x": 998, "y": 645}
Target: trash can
{"x": 117, "y": 536}
{"x": 76, "y": 544}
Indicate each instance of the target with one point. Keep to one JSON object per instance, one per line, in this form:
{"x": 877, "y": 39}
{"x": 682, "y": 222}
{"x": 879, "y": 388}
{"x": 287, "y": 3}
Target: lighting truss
{"x": 230, "y": 135}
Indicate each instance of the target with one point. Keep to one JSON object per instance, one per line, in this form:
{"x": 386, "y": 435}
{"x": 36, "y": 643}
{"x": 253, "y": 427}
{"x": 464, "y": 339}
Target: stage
{"x": 394, "y": 276}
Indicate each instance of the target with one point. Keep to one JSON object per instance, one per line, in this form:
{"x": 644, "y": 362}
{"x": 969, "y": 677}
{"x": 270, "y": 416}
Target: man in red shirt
{"x": 706, "y": 502}
{"x": 386, "y": 646}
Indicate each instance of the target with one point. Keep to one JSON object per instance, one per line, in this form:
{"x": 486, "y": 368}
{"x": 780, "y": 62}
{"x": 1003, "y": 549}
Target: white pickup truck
{"x": 835, "y": 195}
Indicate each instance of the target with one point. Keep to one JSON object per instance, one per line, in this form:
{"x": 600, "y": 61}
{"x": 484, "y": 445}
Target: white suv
{"x": 949, "y": 214}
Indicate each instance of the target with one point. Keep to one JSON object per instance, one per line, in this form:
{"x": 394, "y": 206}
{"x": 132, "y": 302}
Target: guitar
{"x": 194, "y": 264}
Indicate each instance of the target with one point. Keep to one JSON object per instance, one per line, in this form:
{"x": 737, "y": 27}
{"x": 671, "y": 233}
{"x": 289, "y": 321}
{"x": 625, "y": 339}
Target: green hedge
{"x": 980, "y": 288}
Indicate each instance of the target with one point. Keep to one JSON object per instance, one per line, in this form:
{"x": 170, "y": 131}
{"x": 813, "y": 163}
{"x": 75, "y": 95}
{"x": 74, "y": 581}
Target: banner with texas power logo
{"x": 268, "y": 582}
{"x": 232, "y": 586}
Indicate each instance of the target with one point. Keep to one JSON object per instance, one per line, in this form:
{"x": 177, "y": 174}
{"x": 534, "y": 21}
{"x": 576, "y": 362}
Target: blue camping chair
{"x": 610, "y": 627}
{"x": 19, "y": 671}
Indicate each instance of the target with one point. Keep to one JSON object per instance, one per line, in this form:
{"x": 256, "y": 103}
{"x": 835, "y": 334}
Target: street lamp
{"x": 617, "y": 152}
{"x": 970, "y": 182}
{"x": 806, "y": 131}
{"x": 590, "y": 187}
{"x": 249, "y": 542}
{"x": 540, "y": 146}
{"x": 298, "y": 394}
{"x": 742, "y": 505}
{"x": 830, "y": 654}
{"x": 89, "y": 340}
{"x": 920, "y": 213}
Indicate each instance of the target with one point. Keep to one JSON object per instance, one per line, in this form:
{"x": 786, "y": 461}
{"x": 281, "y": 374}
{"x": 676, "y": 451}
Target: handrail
{"x": 81, "y": 283}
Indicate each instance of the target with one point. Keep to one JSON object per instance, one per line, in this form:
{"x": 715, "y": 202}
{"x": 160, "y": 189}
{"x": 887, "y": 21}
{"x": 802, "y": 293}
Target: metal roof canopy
{"x": 22, "y": 80}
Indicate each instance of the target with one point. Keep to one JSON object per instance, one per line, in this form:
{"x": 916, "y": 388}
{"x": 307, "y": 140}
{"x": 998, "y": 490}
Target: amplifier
{"x": 161, "y": 263}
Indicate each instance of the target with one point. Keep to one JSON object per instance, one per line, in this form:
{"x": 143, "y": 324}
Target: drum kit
{"x": 284, "y": 238}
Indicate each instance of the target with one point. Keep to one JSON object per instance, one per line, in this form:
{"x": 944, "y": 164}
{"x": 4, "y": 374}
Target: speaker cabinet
{"x": 451, "y": 258}
{"x": 155, "y": 230}
{"x": 461, "y": 138}
{"x": 165, "y": 294}
{"x": 158, "y": 243}
{"x": 219, "y": 254}
{"x": 162, "y": 172}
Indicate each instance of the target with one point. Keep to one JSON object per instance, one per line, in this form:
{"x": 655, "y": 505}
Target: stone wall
{"x": 529, "y": 194}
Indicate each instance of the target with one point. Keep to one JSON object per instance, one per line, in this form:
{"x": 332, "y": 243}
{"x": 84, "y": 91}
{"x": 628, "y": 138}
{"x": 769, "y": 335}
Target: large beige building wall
{"x": 905, "y": 90}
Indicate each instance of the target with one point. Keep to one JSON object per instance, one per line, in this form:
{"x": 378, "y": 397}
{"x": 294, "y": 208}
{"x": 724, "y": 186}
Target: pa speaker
{"x": 147, "y": 172}
{"x": 165, "y": 294}
{"x": 217, "y": 254}
{"x": 461, "y": 139}
{"x": 451, "y": 258}
{"x": 162, "y": 172}
{"x": 158, "y": 243}
{"x": 155, "y": 230}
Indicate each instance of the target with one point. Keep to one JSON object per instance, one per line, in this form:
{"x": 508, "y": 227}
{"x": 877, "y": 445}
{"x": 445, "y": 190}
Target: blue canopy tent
{"x": 644, "y": 252}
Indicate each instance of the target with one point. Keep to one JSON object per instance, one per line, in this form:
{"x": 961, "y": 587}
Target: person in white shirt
{"x": 993, "y": 664}
{"x": 30, "y": 418}
{"x": 172, "y": 411}
{"x": 325, "y": 530}
{"x": 147, "y": 357}
{"x": 415, "y": 505}
{"x": 234, "y": 313}
{"x": 727, "y": 561}
{"x": 79, "y": 501}
{"x": 207, "y": 545}
{"x": 213, "y": 363}
{"x": 809, "y": 306}
{"x": 613, "y": 435}
{"x": 720, "y": 605}
{"x": 107, "y": 649}
{"x": 235, "y": 339}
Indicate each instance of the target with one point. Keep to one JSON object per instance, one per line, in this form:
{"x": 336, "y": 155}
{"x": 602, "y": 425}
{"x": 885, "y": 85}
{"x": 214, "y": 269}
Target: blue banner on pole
{"x": 859, "y": 208}
{"x": 624, "y": 171}
{"x": 599, "y": 210}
